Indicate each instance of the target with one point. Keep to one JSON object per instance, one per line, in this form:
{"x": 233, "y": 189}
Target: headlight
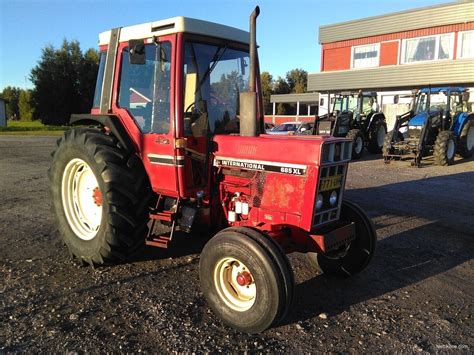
{"x": 333, "y": 198}
{"x": 319, "y": 202}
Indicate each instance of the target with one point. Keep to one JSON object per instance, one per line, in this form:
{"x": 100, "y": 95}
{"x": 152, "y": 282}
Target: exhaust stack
{"x": 248, "y": 100}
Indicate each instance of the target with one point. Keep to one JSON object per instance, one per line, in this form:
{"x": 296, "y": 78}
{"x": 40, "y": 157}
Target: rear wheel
{"x": 376, "y": 137}
{"x": 243, "y": 282}
{"x": 357, "y": 142}
{"x": 444, "y": 148}
{"x": 354, "y": 257}
{"x": 100, "y": 196}
{"x": 466, "y": 139}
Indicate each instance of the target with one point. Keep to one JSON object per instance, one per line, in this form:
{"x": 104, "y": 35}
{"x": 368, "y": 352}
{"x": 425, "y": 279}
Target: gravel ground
{"x": 416, "y": 295}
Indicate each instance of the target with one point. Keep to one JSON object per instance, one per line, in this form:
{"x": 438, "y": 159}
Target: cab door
{"x": 146, "y": 97}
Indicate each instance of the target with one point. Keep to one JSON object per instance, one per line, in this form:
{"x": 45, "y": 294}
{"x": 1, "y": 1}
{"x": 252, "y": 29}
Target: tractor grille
{"x": 331, "y": 179}
{"x": 337, "y": 152}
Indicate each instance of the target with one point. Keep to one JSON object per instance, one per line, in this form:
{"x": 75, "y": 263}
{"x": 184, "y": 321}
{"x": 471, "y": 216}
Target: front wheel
{"x": 244, "y": 281}
{"x": 357, "y": 142}
{"x": 354, "y": 257}
{"x": 445, "y": 148}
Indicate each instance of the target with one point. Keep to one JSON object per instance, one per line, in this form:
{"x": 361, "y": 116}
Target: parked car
{"x": 288, "y": 128}
{"x": 269, "y": 126}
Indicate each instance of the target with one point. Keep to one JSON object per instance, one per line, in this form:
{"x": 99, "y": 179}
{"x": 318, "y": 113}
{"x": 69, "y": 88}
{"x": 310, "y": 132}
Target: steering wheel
{"x": 192, "y": 109}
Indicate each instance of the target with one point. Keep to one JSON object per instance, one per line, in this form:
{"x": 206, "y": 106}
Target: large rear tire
{"x": 445, "y": 148}
{"x": 376, "y": 137}
{"x": 354, "y": 257}
{"x": 243, "y": 282}
{"x": 357, "y": 143}
{"x": 466, "y": 139}
{"x": 100, "y": 196}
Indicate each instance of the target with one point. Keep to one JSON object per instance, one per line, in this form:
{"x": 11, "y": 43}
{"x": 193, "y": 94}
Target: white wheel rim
{"x": 470, "y": 138}
{"x": 380, "y": 136}
{"x": 238, "y": 297}
{"x": 83, "y": 212}
{"x": 450, "y": 150}
{"x": 358, "y": 145}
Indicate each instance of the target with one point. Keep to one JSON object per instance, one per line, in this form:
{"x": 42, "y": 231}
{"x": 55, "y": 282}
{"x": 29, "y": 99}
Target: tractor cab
{"x": 353, "y": 110}
{"x": 442, "y": 105}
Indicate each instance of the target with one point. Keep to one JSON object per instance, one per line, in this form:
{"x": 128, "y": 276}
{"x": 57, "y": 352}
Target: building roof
{"x": 306, "y": 98}
{"x": 409, "y": 76}
{"x": 177, "y": 25}
{"x": 438, "y": 15}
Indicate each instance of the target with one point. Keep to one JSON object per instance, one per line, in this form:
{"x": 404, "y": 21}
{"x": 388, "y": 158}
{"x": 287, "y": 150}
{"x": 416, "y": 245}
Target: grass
{"x": 31, "y": 128}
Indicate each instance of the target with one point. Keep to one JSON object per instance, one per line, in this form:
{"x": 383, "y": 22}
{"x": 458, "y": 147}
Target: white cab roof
{"x": 176, "y": 25}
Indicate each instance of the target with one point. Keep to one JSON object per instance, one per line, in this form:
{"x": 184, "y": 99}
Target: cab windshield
{"x": 437, "y": 102}
{"x": 346, "y": 103}
{"x": 214, "y": 76}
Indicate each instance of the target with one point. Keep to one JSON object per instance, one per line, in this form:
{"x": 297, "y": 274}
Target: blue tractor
{"x": 440, "y": 122}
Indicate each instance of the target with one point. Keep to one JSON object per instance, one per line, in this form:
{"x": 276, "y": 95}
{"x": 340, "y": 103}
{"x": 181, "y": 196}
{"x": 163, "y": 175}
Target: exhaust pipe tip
{"x": 248, "y": 100}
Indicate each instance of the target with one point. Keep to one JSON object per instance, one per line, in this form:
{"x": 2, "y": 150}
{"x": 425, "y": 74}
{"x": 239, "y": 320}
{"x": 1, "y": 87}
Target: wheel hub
{"x": 82, "y": 199}
{"x": 358, "y": 145}
{"x": 235, "y": 284}
{"x": 97, "y": 196}
{"x": 380, "y": 136}
{"x": 470, "y": 138}
{"x": 244, "y": 279}
{"x": 450, "y": 150}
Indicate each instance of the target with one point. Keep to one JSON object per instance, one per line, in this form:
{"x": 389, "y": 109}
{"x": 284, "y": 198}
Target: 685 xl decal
{"x": 291, "y": 169}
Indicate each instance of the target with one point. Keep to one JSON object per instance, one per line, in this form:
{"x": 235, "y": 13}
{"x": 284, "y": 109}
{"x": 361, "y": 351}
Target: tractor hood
{"x": 419, "y": 120}
{"x": 276, "y": 152}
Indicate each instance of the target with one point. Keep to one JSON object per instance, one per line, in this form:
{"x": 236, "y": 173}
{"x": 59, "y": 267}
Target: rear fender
{"x": 373, "y": 120}
{"x": 460, "y": 120}
{"x": 111, "y": 122}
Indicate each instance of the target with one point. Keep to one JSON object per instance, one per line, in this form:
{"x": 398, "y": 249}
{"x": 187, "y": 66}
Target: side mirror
{"x": 136, "y": 51}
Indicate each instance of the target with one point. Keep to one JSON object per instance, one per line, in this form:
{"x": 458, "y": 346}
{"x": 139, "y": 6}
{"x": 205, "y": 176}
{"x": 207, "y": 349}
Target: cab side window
{"x": 145, "y": 88}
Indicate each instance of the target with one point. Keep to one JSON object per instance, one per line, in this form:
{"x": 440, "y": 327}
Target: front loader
{"x": 176, "y": 139}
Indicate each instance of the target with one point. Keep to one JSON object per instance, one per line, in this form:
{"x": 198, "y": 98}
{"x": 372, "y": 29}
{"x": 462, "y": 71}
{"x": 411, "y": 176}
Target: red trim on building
{"x": 389, "y": 53}
{"x": 401, "y": 35}
{"x": 337, "y": 59}
{"x": 337, "y": 55}
{"x": 455, "y": 48}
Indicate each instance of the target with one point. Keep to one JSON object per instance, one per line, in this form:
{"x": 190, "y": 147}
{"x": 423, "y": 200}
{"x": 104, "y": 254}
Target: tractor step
{"x": 165, "y": 216}
{"x": 160, "y": 241}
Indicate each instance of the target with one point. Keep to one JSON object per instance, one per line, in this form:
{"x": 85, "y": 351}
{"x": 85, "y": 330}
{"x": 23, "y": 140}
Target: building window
{"x": 466, "y": 44}
{"x": 366, "y": 56}
{"x": 428, "y": 48}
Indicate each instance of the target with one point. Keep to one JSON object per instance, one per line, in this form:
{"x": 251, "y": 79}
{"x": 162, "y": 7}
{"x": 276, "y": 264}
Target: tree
{"x": 266, "y": 81}
{"x": 297, "y": 80}
{"x": 64, "y": 82}
{"x": 281, "y": 87}
{"x": 24, "y": 106}
{"x": 12, "y": 95}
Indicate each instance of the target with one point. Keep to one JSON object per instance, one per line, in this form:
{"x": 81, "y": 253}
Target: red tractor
{"x": 176, "y": 139}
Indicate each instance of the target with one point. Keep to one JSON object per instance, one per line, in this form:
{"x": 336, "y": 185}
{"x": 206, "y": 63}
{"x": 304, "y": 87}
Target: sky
{"x": 287, "y": 31}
